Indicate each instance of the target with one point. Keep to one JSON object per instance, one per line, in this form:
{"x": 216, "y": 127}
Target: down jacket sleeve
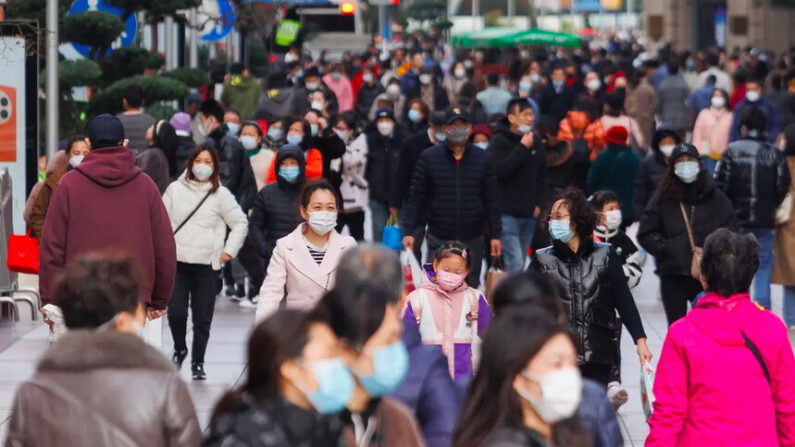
{"x": 418, "y": 194}
{"x": 650, "y": 234}
{"x": 492, "y": 197}
{"x": 671, "y": 395}
{"x": 258, "y": 225}
{"x": 235, "y": 219}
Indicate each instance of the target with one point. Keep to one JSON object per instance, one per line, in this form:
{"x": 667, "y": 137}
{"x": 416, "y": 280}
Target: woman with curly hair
{"x": 592, "y": 285}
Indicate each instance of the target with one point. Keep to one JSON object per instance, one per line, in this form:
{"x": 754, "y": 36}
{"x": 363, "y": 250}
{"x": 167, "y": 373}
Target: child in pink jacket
{"x": 726, "y": 375}
{"x": 447, "y": 311}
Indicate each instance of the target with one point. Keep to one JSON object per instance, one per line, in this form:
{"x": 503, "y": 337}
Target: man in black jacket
{"x": 520, "y": 161}
{"x": 370, "y": 89}
{"x": 455, "y": 186}
{"x": 557, "y": 98}
{"x": 383, "y": 154}
{"x": 755, "y": 177}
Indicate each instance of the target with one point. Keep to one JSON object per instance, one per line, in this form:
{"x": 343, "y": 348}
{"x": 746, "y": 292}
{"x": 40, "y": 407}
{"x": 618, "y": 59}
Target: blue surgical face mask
{"x": 687, "y": 171}
{"x": 390, "y": 365}
{"x": 343, "y": 135}
{"x": 482, "y": 144}
{"x": 314, "y": 129}
{"x": 560, "y": 230}
{"x": 289, "y": 173}
{"x": 335, "y": 386}
{"x": 524, "y": 128}
{"x": 295, "y": 139}
{"x": 525, "y": 86}
{"x": 535, "y": 78}
{"x": 440, "y": 136}
{"x": 234, "y": 128}
{"x": 275, "y": 134}
{"x": 414, "y": 116}
{"x": 558, "y": 84}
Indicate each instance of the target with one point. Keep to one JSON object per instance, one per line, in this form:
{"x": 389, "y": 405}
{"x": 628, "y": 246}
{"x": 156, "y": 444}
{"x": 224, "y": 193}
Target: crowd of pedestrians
{"x": 262, "y": 192}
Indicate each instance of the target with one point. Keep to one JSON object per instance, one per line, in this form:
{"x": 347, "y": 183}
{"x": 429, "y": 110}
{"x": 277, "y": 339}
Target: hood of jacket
{"x": 109, "y": 167}
{"x": 279, "y": 95}
{"x": 658, "y": 136}
{"x": 720, "y": 318}
{"x": 504, "y": 128}
{"x": 242, "y": 83}
{"x": 297, "y": 153}
{"x": 83, "y": 350}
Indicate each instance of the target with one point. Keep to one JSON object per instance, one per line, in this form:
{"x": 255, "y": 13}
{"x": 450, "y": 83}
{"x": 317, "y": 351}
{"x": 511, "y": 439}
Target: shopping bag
{"x": 412, "y": 272}
{"x": 392, "y": 236}
{"x": 23, "y": 254}
{"x": 493, "y": 276}
{"x": 647, "y": 388}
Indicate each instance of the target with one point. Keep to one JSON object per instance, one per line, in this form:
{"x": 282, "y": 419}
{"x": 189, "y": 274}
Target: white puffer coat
{"x": 201, "y": 239}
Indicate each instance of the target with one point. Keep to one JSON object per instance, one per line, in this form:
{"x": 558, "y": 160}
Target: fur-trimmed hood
{"x": 83, "y": 350}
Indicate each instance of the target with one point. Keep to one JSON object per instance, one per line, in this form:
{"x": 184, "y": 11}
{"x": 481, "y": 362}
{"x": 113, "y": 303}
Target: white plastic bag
{"x": 55, "y": 315}
{"x": 647, "y": 388}
{"x": 412, "y": 271}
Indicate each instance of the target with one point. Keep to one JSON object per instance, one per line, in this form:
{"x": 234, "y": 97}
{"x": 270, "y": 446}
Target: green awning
{"x": 539, "y": 37}
{"x": 482, "y": 38}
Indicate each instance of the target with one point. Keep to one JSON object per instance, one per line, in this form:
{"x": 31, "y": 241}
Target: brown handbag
{"x": 695, "y": 261}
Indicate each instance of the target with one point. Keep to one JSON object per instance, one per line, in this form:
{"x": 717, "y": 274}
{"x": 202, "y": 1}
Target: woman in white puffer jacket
{"x": 200, "y": 210}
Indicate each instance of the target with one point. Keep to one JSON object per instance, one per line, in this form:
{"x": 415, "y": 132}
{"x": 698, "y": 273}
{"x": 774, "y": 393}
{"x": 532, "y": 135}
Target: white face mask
{"x": 752, "y": 95}
{"x": 593, "y": 85}
{"x": 203, "y": 129}
{"x": 561, "y": 393}
{"x": 75, "y": 160}
{"x": 782, "y": 145}
{"x": 312, "y": 85}
{"x": 613, "y": 219}
{"x": 460, "y": 72}
{"x": 667, "y": 149}
{"x": 425, "y": 79}
{"x": 248, "y": 142}
{"x": 202, "y": 171}
{"x": 385, "y": 128}
{"x": 393, "y": 90}
{"x": 323, "y": 221}
{"x": 317, "y": 105}
{"x": 718, "y": 101}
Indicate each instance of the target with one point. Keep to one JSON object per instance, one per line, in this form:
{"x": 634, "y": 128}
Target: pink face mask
{"x": 449, "y": 281}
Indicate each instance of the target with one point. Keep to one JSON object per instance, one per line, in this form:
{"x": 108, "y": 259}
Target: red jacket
{"x": 105, "y": 203}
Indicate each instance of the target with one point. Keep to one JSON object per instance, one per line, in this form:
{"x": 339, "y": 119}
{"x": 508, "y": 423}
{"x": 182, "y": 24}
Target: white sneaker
{"x": 248, "y": 304}
{"x": 617, "y": 395}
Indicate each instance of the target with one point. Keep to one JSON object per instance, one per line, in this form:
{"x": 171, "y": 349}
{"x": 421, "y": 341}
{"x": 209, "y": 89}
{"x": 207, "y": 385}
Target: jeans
{"x": 709, "y": 164}
{"x": 789, "y": 305}
{"x": 476, "y": 247}
{"x": 517, "y": 234}
{"x": 195, "y": 283}
{"x": 764, "y": 236}
{"x": 379, "y": 214}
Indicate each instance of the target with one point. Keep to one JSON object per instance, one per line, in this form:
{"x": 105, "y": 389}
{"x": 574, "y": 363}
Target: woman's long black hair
{"x": 513, "y": 339}
{"x": 673, "y": 188}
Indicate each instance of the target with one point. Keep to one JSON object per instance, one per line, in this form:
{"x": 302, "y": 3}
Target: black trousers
{"x": 253, "y": 265}
{"x": 597, "y": 372}
{"x": 195, "y": 284}
{"x": 476, "y": 246}
{"x": 677, "y": 291}
{"x": 355, "y": 223}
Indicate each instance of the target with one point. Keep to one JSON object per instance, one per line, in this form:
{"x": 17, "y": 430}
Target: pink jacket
{"x": 343, "y": 90}
{"x": 712, "y": 126}
{"x": 293, "y": 276}
{"x": 710, "y": 389}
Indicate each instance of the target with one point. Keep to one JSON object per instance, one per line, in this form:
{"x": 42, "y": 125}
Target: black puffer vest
{"x": 583, "y": 281}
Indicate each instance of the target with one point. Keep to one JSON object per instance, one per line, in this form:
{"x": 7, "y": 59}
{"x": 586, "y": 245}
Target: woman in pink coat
{"x": 338, "y": 82}
{"x": 304, "y": 263}
{"x": 726, "y": 375}
{"x": 711, "y": 131}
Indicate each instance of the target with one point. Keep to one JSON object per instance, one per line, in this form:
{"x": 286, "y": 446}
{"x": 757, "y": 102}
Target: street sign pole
{"x": 193, "y": 39}
{"x": 51, "y": 114}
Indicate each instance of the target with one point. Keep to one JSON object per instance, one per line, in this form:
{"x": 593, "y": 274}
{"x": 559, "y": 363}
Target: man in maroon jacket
{"x": 107, "y": 203}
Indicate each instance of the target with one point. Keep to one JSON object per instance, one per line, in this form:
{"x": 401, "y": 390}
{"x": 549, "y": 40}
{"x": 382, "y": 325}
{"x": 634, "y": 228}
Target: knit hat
{"x": 480, "y": 128}
{"x": 181, "y": 122}
{"x": 617, "y": 135}
{"x": 105, "y": 131}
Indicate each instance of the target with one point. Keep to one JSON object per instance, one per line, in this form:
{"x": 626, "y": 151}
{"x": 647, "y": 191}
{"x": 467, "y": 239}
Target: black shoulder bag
{"x": 193, "y": 212}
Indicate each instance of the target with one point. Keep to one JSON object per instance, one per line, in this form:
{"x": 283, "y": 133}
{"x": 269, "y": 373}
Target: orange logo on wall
{"x": 8, "y": 124}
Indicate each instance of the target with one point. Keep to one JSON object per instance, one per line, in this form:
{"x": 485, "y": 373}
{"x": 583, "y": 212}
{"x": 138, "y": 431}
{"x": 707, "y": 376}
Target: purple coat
{"x": 429, "y": 391}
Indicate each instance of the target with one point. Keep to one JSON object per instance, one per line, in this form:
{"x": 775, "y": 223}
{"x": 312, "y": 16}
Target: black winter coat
{"x": 275, "y": 211}
{"x": 592, "y": 286}
{"x": 366, "y": 97}
{"x": 556, "y": 105}
{"x": 383, "y": 157}
{"x": 185, "y": 147}
{"x": 662, "y": 230}
{"x": 561, "y": 171}
{"x": 236, "y": 173}
{"x": 458, "y": 197}
{"x": 755, "y": 177}
{"x": 410, "y": 152}
{"x": 650, "y": 174}
{"x": 521, "y": 171}
{"x": 332, "y": 148}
